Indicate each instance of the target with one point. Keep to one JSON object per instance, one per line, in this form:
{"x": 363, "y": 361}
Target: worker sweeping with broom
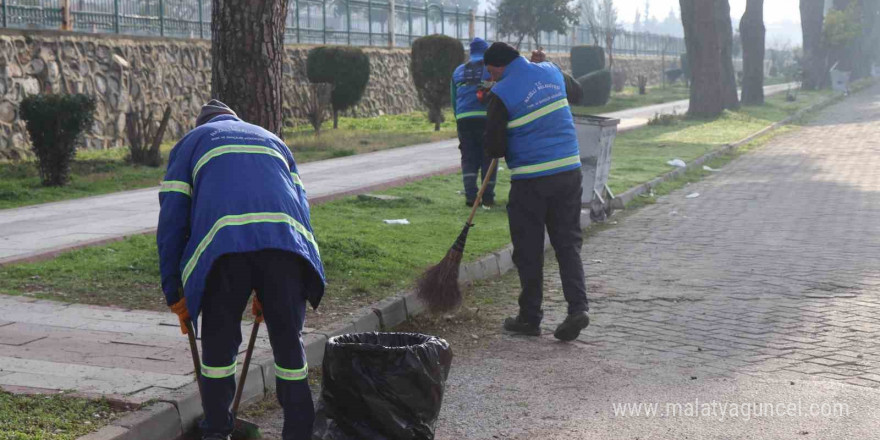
{"x": 531, "y": 125}
{"x": 235, "y": 219}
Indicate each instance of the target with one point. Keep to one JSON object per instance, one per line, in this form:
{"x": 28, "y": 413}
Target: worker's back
{"x": 245, "y": 196}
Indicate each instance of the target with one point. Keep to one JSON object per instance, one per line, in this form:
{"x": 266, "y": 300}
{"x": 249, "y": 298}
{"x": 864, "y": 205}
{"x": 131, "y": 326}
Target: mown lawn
{"x": 44, "y": 416}
{"x": 366, "y": 259}
{"x": 106, "y": 171}
{"x": 630, "y": 98}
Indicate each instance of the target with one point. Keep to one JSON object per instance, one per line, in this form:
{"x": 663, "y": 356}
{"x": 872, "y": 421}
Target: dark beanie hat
{"x": 500, "y": 54}
{"x": 211, "y": 109}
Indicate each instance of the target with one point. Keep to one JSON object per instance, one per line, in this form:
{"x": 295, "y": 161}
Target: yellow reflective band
{"x": 245, "y": 219}
{"x": 176, "y": 186}
{"x": 241, "y": 149}
{"x": 470, "y": 114}
{"x": 546, "y": 166}
{"x": 296, "y": 180}
{"x": 543, "y": 111}
{"x": 218, "y": 372}
{"x": 285, "y": 374}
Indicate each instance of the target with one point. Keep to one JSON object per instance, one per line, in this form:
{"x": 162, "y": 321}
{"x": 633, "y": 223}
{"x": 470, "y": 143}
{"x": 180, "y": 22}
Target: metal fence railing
{"x": 351, "y": 22}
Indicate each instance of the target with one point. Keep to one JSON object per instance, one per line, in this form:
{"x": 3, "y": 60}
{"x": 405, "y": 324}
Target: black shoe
{"x": 519, "y": 326}
{"x": 215, "y": 437}
{"x": 571, "y": 328}
{"x": 469, "y": 203}
{"x": 489, "y": 203}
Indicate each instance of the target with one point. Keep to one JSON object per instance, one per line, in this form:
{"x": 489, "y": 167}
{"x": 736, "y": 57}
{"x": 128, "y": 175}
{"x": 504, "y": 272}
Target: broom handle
{"x": 486, "y": 181}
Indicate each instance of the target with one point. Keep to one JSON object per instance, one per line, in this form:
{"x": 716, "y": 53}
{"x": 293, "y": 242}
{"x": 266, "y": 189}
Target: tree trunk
{"x": 335, "y": 119}
{"x": 753, "y": 38}
{"x": 728, "y": 73}
{"x": 609, "y": 47}
{"x": 704, "y": 57}
{"x": 814, "y": 64}
{"x": 248, "y": 54}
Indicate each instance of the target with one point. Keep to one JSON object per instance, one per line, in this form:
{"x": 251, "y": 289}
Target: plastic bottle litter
{"x": 400, "y": 221}
{"x": 708, "y": 168}
{"x": 677, "y": 163}
{"x": 692, "y": 196}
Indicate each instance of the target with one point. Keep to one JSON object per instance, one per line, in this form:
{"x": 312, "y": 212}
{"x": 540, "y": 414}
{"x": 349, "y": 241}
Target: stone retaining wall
{"x": 126, "y": 73}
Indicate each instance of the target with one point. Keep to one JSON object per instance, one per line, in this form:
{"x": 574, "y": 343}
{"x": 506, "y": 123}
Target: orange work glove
{"x": 182, "y": 314}
{"x": 257, "y": 309}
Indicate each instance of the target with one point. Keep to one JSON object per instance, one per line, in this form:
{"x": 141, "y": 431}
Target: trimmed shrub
{"x": 586, "y": 60}
{"x": 346, "y": 68}
{"x": 145, "y": 136}
{"x": 597, "y": 88}
{"x": 434, "y": 59}
{"x": 55, "y": 123}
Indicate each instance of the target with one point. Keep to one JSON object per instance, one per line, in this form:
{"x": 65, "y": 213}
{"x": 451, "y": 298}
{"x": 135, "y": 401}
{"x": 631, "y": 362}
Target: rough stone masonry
{"x": 128, "y": 73}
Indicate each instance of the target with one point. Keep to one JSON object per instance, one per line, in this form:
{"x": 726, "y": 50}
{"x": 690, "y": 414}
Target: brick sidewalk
{"x": 765, "y": 287}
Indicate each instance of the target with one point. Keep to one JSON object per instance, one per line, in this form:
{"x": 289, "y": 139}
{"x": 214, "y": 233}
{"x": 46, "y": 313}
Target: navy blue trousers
{"x": 474, "y": 160}
{"x": 277, "y": 277}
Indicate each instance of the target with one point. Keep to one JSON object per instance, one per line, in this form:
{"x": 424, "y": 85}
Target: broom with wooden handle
{"x": 438, "y": 286}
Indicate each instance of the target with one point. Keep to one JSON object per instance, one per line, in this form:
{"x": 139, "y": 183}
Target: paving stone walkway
{"x": 763, "y": 288}
{"x": 126, "y": 355}
{"x": 39, "y": 230}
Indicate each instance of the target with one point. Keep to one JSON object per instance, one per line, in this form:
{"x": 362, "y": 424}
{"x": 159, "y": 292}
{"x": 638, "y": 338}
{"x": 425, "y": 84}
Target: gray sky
{"x": 774, "y": 10}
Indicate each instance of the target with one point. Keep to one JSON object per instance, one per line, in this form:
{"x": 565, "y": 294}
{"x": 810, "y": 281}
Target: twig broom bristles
{"x": 438, "y": 286}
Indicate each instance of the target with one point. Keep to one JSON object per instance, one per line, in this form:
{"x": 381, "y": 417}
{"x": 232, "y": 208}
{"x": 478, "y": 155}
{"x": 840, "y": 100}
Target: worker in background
{"x": 235, "y": 219}
{"x": 531, "y": 125}
{"x": 469, "y": 83}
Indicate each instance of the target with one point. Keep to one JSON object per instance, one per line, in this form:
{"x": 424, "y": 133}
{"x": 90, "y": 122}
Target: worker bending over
{"x": 234, "y": 219}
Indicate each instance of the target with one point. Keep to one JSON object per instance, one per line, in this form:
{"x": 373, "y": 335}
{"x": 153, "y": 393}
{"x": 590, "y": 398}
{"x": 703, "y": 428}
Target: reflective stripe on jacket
{"x": 230, "y": 187}
{"x": 541, "y": 135}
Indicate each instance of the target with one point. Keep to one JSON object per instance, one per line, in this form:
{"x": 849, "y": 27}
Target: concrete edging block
{"x": 314, "y": 344}
{"x": 366, "y": 321}
{"x": 339, "y": 328}
{"x": 159, "y": 421}
{"x": 414, "y": 305}
{"x": 254, "y": 387}
{"x": 109, "y": 432}
{"x": 267, "y": 369}
{"x": 391, "y": 311}
{"x": 505, "y": 259}
{"x": 188, "y": 403}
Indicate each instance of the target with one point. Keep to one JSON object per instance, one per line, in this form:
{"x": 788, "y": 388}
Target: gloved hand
{"x": 257, "y": 309}
{"x": 182, "y": 313}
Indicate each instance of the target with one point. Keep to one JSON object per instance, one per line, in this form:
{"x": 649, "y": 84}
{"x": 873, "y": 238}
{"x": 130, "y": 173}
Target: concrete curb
{"x": 172, "y": 417}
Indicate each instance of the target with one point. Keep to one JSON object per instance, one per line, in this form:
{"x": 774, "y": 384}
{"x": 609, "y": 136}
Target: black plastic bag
{"x": 379, "y": 386}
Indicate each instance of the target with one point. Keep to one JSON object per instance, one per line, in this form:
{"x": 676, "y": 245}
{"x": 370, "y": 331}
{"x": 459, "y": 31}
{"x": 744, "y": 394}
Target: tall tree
{"x": 728, "y": 73}
{"x": 247, "y": 58}
{"x": 528, "y": 18}
{"x": 753, "y": 32}
{"x": 815, "y": 58}
{"x": 607, "y": 14}
{"x": 704, "y": 55}
{"x": 589, "y": 18}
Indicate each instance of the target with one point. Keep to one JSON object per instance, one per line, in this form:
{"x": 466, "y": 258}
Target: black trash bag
{"x": 379, "y": 386}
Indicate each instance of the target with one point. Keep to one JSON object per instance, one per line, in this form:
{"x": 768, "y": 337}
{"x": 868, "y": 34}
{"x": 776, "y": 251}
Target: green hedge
{"x": 597, "y": 88}
{"x": 586, "y": 60}
{"x": 55, "y": 123}
{"x": 346, "y": 68}
{"x": 434, "y": 59}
